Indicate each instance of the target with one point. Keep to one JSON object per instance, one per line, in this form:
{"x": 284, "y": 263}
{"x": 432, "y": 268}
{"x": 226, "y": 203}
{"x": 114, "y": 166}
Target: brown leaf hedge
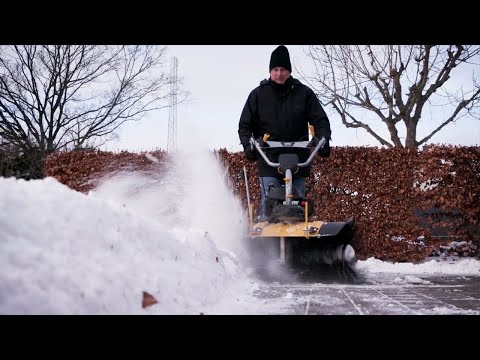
{"x": 81, "y": 170}
{"x": 408, "y": 204}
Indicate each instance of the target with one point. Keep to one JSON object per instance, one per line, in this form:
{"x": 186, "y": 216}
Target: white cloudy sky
{"x": 220, "y": 78}
{"x": 171, "y": 235}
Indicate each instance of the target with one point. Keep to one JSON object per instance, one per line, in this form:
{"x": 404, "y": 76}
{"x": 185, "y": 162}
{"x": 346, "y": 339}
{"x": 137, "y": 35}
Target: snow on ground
{"x": 431, "y": 266}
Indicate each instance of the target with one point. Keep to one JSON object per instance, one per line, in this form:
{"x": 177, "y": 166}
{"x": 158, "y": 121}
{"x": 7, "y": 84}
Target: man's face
{"x": 279, "y": 75}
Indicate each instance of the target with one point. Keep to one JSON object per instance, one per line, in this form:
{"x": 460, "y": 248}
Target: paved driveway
{"x": 374, "y": 294}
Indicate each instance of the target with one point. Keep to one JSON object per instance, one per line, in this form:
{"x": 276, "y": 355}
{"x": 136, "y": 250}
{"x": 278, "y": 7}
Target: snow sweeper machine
{"x": 288, "y": 236}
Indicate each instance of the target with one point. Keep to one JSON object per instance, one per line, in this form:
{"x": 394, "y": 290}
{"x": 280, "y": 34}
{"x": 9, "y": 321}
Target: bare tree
{"x": 394, "y": 84}
{"x": 66, "y": 96}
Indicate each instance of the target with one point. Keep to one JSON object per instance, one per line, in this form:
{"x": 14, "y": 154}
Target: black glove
{"x": 313, "y": 143}
{"x": 324, "y": 151}
{"x": 250, "y": 154}
{"x": 261, "y": 143}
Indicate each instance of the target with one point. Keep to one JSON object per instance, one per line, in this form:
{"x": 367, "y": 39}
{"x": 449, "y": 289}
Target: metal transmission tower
{"x": 172, "y": 109}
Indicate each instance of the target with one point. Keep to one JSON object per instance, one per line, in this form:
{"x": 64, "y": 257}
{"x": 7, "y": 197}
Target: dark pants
{"x": 266, "y": 181}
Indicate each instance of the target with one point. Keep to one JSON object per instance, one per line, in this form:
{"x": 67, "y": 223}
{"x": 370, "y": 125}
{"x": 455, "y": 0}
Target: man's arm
{"x": 317, "y": 117}
{"x": 246, "y": 126}
{"x": 247, "y": 123}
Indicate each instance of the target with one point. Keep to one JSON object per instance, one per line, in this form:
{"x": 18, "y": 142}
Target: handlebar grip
{"x": 320, "y": 144}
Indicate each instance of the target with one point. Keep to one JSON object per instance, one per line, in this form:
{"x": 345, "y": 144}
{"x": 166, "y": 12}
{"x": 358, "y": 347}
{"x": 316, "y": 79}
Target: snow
{"x": 432, "y": 266}
{"x": 177, "y": 236}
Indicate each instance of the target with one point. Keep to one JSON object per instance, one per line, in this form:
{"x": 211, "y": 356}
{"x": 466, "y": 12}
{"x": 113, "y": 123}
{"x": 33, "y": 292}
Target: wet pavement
{"x": 373, "y": 294}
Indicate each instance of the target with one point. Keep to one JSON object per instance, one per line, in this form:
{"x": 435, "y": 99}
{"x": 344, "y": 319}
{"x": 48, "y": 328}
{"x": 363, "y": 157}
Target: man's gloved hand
{"x": 250, "y": 154}
{"x": 313, "y": 143}
{"x": 324, "y": 151}
{"x": 261, "y": 143}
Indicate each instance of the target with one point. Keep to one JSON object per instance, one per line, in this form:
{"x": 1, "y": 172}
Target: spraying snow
{"x": 172, "y": 235}
{"x": 193, "y": 195}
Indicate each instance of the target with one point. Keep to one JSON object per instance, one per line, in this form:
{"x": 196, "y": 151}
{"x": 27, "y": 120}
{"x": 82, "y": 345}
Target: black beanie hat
{"x": 280, "y": 58}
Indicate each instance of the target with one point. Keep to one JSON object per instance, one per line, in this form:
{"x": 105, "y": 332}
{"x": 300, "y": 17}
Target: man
{"x": 282, "y": 107}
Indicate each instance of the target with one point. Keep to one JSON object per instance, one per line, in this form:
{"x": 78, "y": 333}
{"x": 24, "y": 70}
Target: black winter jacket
{"x": 283, "y": 111}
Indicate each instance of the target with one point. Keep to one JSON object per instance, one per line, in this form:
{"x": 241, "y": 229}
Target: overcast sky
{"x": 220, "y": 78}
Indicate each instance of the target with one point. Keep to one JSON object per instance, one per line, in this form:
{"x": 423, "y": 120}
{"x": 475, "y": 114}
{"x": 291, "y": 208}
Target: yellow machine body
{"x": 266, "y": 229}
